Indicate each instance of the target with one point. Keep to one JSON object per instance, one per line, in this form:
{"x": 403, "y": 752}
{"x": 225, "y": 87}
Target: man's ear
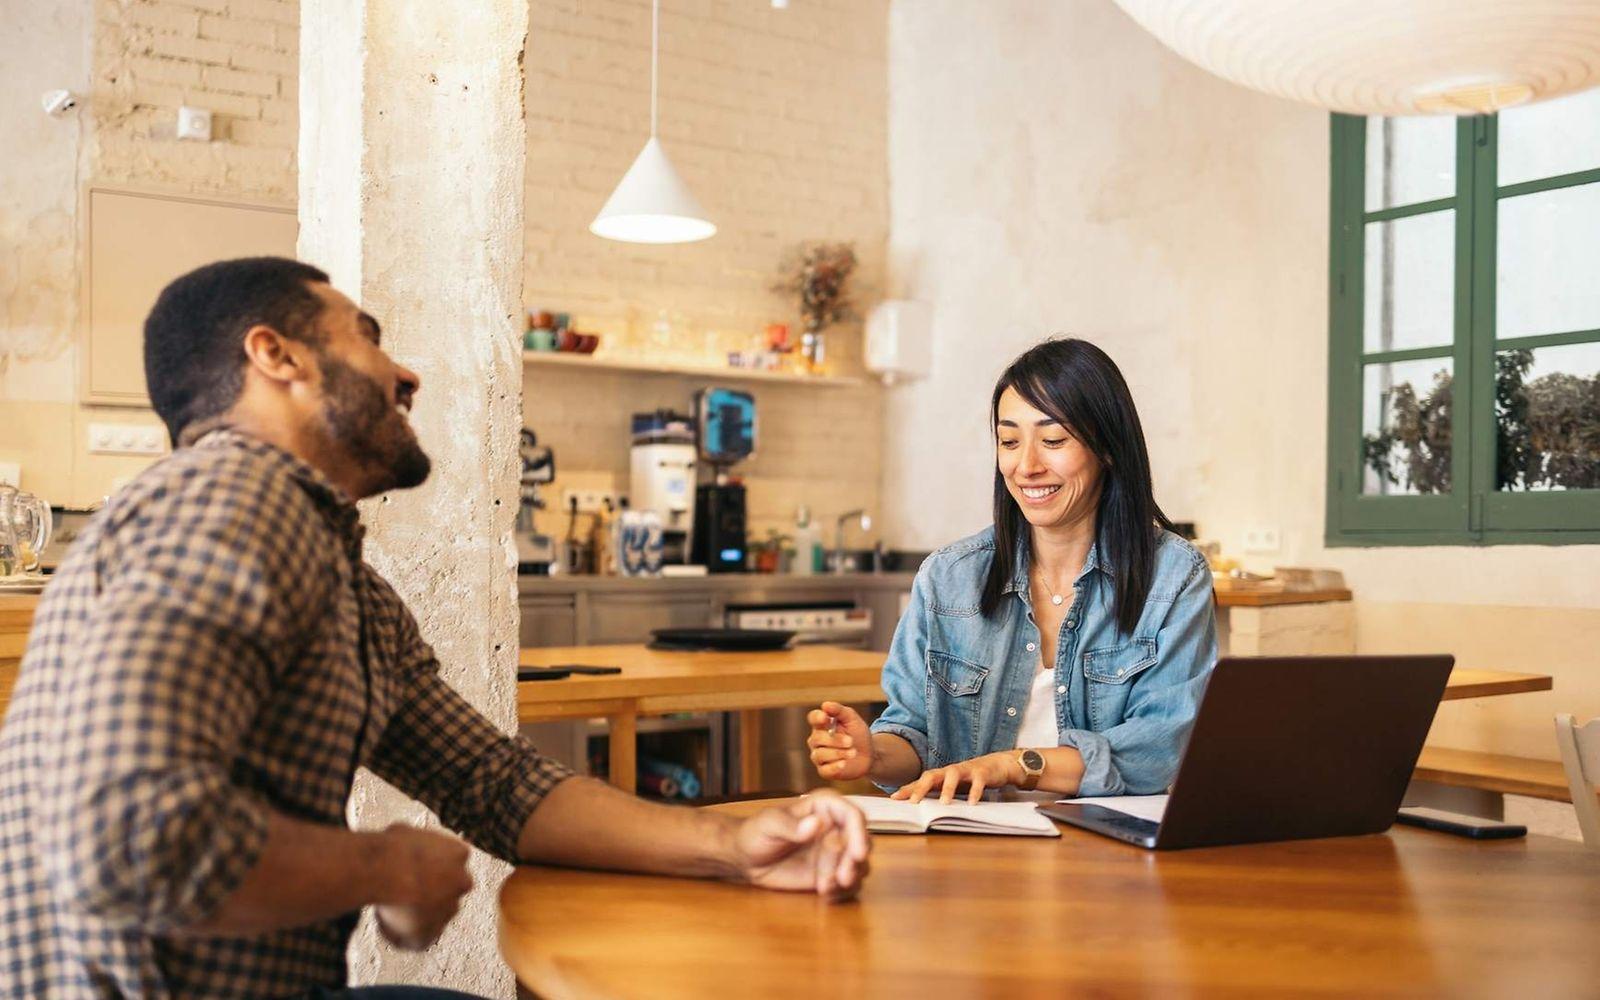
{"x": 275, "y": 356}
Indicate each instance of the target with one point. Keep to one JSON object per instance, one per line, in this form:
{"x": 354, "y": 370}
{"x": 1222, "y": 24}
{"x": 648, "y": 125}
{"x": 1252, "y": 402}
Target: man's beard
{"x": 363, "y": 421}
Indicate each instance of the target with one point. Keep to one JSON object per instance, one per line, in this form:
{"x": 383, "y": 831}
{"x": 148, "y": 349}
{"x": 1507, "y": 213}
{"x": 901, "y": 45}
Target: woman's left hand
{"x": 989, "y": 771}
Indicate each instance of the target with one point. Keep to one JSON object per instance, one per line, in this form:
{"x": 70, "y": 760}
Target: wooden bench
{"x": 1493, "y": 772}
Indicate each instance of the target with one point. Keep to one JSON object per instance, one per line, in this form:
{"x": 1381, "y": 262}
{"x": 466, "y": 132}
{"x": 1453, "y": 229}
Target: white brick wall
{"x": 777, "y": 120}
{"x": 236, "y": 57}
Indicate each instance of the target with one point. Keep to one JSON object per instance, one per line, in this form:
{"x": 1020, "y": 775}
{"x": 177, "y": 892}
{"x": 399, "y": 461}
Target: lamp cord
{"x": 655, "y": 42}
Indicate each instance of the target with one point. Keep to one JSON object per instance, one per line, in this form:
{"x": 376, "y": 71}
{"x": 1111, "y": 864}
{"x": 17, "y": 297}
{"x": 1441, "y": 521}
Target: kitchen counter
{"x": 717, "y": 583}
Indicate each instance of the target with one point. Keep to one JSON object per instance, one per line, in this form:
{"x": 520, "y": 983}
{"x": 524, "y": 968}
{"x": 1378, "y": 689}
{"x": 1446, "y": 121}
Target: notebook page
{"x": 1150, "y": 807}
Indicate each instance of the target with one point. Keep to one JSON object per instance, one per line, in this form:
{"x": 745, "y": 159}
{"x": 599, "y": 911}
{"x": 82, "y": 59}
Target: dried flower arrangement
{"x": 817, "y": 275}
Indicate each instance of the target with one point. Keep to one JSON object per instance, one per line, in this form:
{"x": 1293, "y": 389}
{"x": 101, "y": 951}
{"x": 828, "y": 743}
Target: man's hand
{"x": 816, "y": 844}
{"x": 840, "y": 742}
{"x": 989, "y": 771}
{"x": 429, "y": 878}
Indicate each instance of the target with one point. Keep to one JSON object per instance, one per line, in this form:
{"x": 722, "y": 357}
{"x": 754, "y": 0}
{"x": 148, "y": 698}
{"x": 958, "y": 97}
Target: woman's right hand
{"x": 844, "y": 754}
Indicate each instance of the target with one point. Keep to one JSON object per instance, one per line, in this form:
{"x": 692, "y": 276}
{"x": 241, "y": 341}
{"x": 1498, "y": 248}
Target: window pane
{"x": 1410, "y": 283}
{"x": 1405, "y": 427}
{"x": 1547, "y": 409}
{"x": 1549, "y": 139}
{"x": 1410, "y": 160}
{"x": 1549, "y": 259}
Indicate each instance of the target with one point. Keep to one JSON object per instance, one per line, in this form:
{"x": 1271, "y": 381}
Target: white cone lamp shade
{"x": 652, "y": 204}
{"x": 1387, "y": 57}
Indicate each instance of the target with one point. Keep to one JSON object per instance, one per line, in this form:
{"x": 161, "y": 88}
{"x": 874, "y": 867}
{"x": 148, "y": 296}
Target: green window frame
{"x": 1473, "y": 511}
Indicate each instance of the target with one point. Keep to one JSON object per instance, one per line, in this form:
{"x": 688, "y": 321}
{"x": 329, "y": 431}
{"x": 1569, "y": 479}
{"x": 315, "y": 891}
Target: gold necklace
{"x": 1055, "y": 598}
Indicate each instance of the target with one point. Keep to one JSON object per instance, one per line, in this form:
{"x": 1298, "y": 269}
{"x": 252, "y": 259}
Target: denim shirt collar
{"x": 1019, "y": 578}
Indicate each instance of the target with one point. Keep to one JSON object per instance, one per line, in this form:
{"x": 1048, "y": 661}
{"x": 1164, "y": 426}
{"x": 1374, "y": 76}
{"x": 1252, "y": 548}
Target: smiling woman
{"x": 1064, "y": 648}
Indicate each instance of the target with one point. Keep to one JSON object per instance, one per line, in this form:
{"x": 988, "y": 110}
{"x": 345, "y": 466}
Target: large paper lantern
{"x": 1387, "y": 57}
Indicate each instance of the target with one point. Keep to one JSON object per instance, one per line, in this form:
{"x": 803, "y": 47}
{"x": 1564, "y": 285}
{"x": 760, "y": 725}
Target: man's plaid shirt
{"x": 213, "y": 648}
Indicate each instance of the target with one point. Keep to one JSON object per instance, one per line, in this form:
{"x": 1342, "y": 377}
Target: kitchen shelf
{"x": 569, "y": 360}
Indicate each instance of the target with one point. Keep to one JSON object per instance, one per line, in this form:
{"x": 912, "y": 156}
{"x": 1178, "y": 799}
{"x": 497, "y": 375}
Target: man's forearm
{"x": 307, "y": 872}
{"x": 584, "y": 823}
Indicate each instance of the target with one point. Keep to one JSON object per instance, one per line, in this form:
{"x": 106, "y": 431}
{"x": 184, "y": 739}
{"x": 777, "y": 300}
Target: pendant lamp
{"x": 652, "y": 204}
{"x": 1387, "y": 57}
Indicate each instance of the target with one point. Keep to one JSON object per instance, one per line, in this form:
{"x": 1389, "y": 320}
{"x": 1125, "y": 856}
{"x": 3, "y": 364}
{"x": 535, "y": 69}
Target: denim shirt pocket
{"x": 1110, "y": 671}
{"x": 953, "y": 701}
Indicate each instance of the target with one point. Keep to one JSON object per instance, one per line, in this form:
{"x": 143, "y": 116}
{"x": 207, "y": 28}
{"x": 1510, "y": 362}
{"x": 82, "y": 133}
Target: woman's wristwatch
{"x": 1032, "y": 764}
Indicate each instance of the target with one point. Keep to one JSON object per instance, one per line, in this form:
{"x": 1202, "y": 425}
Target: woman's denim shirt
{"x": 958, "y": 682}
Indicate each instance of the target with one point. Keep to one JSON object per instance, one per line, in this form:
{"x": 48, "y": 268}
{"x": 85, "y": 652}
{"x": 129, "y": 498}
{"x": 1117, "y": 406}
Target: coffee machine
{"x": 661, "y": 477}
{"x": 726, "y": 422}
{"x": 535, "y": 552}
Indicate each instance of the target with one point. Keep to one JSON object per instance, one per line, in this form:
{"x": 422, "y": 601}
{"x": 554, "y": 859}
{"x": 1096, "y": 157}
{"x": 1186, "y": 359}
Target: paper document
{"x": 1010, "y": 818}
{"x": 1150, "y": 807}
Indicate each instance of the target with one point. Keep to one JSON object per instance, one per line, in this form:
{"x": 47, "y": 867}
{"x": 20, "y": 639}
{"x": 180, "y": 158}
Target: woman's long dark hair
{"x": 1078, "y": 384}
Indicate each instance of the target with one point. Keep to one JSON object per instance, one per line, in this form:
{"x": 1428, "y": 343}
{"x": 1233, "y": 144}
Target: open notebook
{"x": 1017, "y": 819}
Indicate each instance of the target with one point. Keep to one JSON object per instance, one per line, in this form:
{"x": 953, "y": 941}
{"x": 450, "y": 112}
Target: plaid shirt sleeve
{"x": 142, "y": 826}
{"x": 443, "y": 752}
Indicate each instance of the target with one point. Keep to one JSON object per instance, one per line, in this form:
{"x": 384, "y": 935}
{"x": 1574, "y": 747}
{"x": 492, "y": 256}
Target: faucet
{"x": 865, "y": 520}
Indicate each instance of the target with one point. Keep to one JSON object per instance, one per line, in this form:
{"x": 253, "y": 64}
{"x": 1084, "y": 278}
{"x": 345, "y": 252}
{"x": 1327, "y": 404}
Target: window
{"x": 1464, "y": 360}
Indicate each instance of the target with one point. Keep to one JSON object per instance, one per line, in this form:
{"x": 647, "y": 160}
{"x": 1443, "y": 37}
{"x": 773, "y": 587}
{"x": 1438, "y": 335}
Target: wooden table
{"x": 1409, "y": 912}
{"x": 655, "y": 682}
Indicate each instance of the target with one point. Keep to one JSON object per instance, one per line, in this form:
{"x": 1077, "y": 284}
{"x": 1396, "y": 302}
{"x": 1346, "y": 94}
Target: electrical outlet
{"x": 1261, "y": 539}
{"x": 589, "y": 501}
{"x": 126, "y": 439}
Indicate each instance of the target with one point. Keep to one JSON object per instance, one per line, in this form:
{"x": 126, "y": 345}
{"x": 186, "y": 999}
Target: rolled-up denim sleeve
{"x": 1139, "y": 755}
{"x": 905, "y": 675}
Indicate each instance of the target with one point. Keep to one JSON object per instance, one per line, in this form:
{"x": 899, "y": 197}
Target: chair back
{"x": 1580, "y": 757}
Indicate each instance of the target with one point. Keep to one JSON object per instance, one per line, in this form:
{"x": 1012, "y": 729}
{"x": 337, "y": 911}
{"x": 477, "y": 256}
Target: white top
{"x": 1038, "y": 727}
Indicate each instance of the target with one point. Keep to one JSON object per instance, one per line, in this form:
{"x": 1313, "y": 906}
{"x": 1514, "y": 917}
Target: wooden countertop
{"x": 1408, "y": 912}
{"x": 777, "y": 584}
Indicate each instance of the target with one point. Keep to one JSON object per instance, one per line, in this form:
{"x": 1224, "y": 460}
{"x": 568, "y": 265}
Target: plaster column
{"x": 411, "y": 197}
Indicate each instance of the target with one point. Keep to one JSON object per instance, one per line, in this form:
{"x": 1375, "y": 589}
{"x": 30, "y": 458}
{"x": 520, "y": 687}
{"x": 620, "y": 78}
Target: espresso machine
{"x": 726, "y": 423}
{"x": 535, "y": 552}
{"x": 661, "y": 475}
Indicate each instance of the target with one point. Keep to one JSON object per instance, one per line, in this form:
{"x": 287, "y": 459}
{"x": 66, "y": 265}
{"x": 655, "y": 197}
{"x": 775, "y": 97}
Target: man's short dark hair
{"x": 194, "y": 336}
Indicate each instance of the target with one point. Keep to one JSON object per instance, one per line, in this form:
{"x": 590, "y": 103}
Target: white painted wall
{"x": 1054, "y": 169}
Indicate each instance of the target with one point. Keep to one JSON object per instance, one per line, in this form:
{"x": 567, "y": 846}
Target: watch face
{"x": 1033, "y": 760}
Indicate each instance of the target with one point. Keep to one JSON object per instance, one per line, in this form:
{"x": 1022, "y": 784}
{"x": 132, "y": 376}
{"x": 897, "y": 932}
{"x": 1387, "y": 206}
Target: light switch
{"x": 126, "y": 439}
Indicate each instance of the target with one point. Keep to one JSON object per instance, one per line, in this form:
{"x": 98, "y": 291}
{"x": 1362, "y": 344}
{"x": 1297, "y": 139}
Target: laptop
{"x": 1289, "y": 748}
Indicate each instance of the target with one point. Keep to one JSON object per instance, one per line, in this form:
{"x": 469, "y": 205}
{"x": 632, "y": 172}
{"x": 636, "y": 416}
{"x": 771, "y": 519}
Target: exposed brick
{"x": 162, "y": 17}
{"x": 283, "y": 64}
{"x": 276, "y": 11}
{"x": 198, "y": 50}
{"x": 168, "y": 71}
{"x": 279, "y": 135}
{"x": 241, "y": 81}
{"x": 230, "y": 29}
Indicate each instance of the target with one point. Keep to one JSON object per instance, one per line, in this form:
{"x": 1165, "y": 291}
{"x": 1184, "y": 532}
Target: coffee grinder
{"x": 726, "y": 435}
{"x": 661, "y": 467}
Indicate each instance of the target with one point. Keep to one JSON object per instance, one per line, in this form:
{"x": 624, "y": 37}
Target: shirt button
{"x": 1032, "y": 647}
{"x": 1119, "y": 672}
{"x": 1061, "y": 689}
{"x": 1011, "y": 711}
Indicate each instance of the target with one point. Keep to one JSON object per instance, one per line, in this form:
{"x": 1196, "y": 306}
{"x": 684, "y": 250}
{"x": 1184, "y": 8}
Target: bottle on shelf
{"x": 806, "y": 543}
